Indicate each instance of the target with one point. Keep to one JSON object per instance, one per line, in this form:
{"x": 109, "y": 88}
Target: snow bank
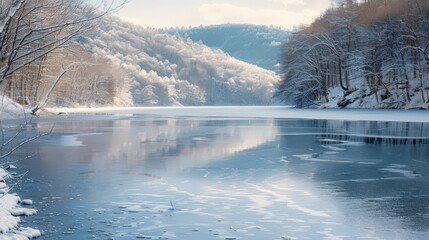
{"x": 10, "y": 210}
{"x": 9, "y": 109}
{"x": 10, "y": 204}
{"x": 363, "y": 99}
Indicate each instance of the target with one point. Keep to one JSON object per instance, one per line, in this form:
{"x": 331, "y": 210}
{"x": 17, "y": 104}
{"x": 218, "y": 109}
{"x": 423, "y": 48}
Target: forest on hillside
{"x": 39, "y": 54}
{"x": 372, "y": 53}
{"x": 169, "y": 70}
{"x": 80, "y": 55}
{"x": 258, "y": 45}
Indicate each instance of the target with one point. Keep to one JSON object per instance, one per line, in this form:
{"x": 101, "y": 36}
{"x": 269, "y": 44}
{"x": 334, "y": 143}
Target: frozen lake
{"x": 230, "y": 173}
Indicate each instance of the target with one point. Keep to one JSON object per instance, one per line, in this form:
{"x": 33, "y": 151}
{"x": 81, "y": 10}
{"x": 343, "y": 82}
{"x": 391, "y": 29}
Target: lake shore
{"x": 12, "y": 208}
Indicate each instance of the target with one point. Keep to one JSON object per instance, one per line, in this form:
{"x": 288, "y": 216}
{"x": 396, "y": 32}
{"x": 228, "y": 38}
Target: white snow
{"x": 170, "y": 71}
{"x": 22, "y": 212}
{"x": 10, "y": 109}
{"x": 10, "y": 212}
{"x": 10, "y": 13}
{"x": 27, "y": 202}
{"x": 371, "y": 102}
{"x": 11, "y": 167}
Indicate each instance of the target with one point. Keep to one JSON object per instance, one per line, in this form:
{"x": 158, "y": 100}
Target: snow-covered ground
{"x": 11, "y": 110}
{"x": 360, "y": 99}
{"x": 11, "y": 209}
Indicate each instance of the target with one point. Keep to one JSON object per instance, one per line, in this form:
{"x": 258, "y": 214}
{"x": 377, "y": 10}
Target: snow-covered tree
{"x": 371, "y": 54}
{"x": 169, "y": 70}
{"x": 33, "y": 31}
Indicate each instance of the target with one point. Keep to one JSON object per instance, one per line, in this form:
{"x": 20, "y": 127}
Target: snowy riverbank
{"x": 364, "y": 99}
{"x": 12, "y": 208}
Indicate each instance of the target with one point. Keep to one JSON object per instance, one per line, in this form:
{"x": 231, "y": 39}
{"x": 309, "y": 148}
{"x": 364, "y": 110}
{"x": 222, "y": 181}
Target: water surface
{"x": 225, "y": 177}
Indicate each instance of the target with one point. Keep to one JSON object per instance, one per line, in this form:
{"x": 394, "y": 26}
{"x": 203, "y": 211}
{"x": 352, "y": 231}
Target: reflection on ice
{"x": 168, "y": 144}
{"x": 367, "y": 160}
{"x": 400, "y": 170}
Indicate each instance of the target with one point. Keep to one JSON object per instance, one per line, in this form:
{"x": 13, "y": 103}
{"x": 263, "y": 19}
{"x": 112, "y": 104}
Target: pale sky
{"x": 172, "y": 13}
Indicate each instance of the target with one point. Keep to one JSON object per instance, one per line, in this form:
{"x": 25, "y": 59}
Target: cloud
{"x": 225, "y": 12}
{"x": 288, "y": 3}
{"x": 168, "y": 13}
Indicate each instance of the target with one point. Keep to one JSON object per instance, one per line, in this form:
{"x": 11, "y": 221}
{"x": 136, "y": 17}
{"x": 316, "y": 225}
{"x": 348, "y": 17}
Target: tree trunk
{"x": 340, "y": 74}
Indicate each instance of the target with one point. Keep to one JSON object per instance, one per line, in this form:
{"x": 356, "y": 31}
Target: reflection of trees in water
{"x": 382, "y": 132}
{"x": 368, "y": 132}
{"x": 388, "y": 173}
{"x": 170, "y": 144}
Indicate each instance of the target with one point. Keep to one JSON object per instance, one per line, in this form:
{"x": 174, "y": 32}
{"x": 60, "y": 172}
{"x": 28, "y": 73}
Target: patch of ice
{"x": 327, "y": 140}
{"x": 363, "y": 180}
{"x": 329, "y": 160}
{"x": 306, "y": 156}
{"x": 70, "y": 141}
{"x": 284, "y": 160}
{"x": 29, "y": 233}
{"x": 201, "y": 139}
{"x": 367, "y": 163}
{"x": 330, "y": 152}
{"x": 406, "y": 173}
{"x": 333, "y": 148}
{"x": 349, "y": 143}
{"x": 314, "y": 157}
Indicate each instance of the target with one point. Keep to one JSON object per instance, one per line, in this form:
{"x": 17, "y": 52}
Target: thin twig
{"x": 17, "y": 161}
{"x": 15, "y": 184}
{"x": 22, "y": 144}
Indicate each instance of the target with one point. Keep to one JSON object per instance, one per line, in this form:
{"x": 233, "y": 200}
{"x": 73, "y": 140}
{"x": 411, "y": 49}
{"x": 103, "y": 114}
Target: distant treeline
{"x": 374, "y": 52}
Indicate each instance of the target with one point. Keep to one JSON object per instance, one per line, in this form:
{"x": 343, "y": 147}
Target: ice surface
{"x": 401, "y": 170}
{"x": 264, "y": 112}
{"x": 251, "y": 177}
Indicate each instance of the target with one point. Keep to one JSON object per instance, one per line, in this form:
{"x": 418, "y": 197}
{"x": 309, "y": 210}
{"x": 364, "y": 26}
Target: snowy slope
{"x": 168, "y": 70}
{"x": 363, "y": 99}
{"x": 259, "y": 45}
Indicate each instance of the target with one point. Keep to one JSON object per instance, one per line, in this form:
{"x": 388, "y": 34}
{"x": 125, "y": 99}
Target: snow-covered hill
{"x": 259, "y": 45}
{"x": 167, "y": 70}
